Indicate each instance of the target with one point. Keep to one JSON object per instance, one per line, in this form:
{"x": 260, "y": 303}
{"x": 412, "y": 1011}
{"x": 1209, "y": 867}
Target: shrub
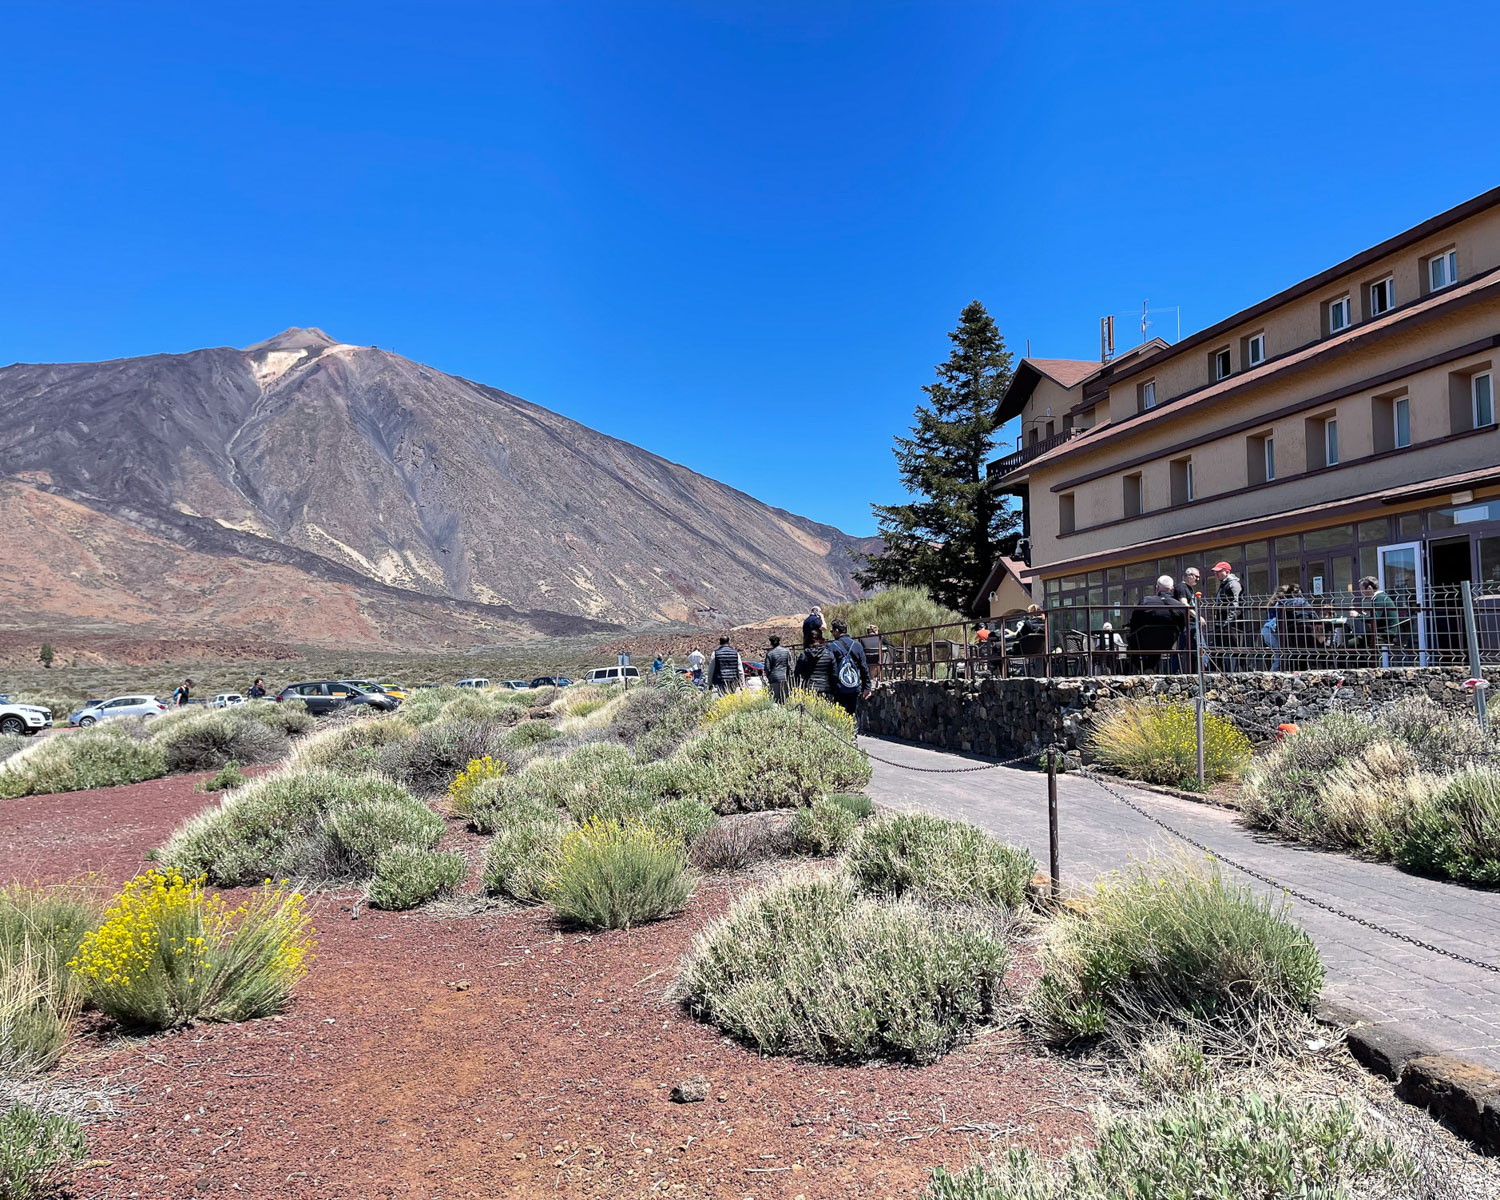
{"x": 228, "y": 778}
{"x": 932, "y": 858}
{"x": 893, "y": 609}
{"x": 1176, "y": 946}
{"x": 542, "y": 697}
{"x": 731, "y": 703}
{"x": 812, "y": 707}
{"x": 289, "y": 717}
{"x": 36, "y": 1151}
{"x": 1157, "y": 742}
{"x": 462, "y": 790}
{"x": 40, "y": 930}
{"x": 351, "y": 745}
{"x": 601, "y": 780}
{"x": 407, "y": 875}
{"x": 1282, "y": 786}
{"x": 656, "y": 717}
{"x": 1208, "y": 1147}
{"x": 523, "y": 856}
{"x": 860, "y": 805}
{"x": 500, "y": 801}
{"x": 811, "y": 968}
{"x": 286, "y": 824}
{"x": 734, "y": 843}
{"x": 503, "y": 708}
{"x": 12, "y": 743}
{"x": 825, "y": 828}
{"x": 167, "y": 953}
{"x": 428, "y": 761}
{"x": 611, "y": 876}
{"x": 770, "y": 758}
{"x": 1455, "y": 831}
{"x": 1439, "y": 739}
{"x": 212, "y": 737}
{"x": 529, "y": 734}
{"x": 683, "y": 821}
{"x": 92, "y": 758}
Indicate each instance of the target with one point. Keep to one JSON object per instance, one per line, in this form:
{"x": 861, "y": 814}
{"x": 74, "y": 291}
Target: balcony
{"x": 999, "y": 467}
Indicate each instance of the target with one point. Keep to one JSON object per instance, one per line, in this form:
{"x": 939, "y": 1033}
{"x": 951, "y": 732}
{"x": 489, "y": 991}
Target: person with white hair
{"x": 1155, "y": 625}
{"x": 812, "y": 624}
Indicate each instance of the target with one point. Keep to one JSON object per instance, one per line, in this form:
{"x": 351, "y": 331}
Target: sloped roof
{"x": 1003, "y": 566}
{"x": 1067, "y": 371}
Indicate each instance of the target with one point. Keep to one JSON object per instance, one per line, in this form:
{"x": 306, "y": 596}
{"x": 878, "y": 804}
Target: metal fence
{"x": 1249, "y": 633}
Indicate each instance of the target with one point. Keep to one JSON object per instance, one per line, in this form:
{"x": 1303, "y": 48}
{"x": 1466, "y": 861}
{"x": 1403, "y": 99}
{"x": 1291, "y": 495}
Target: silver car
{"x": 120, "y": 706}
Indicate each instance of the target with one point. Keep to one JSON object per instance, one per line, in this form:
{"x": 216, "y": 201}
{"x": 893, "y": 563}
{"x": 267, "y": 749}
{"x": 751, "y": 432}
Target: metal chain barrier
{"x": 1295, "y": 893}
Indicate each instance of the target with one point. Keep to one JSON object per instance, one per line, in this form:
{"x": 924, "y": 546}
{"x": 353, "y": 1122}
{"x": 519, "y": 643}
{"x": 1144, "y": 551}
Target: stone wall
{"x": 1003, "y": 718}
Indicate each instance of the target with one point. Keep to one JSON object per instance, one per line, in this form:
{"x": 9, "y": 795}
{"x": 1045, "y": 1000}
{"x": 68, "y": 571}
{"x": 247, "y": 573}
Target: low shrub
{"x": 583, "y": 700}
{"x": 92, "y": 758}
{"x": 1172, "y": 945}
{"x": 351, "y": 745}
{"x": 364, "y": 829}
{"x": 860, "y": 805}
{"x": 602, "y": 781}
{"x": 40, "y": 930}
{"x": 1454, "y": 831}
{"x": 735, "y": 843}
{"x": 12, "y": 743}
{"x": 228, "y": 778}
{"x": 769, "y": 757}
{"x": 809, "y": 706}
{"x": 683, "y": 821}
{"x": 427, "y": 762}
{"x": 731, "y": 703}
{"x": 522, "y": 857}
{"x": 498, "y": 803}
{"x": 212, "y": 737}
{"x": 529, "y": 734}
{"x": 932, "y": 858}
{"x": 1208, "y": 1147}
{"x": 612, "y": 876}
{"x": 1157, "y": 741}
{"x": 809, "y": 967}
{"x": 466, "y": 783}
{"x": 407, "y": 875}
{"x": 1440, "y": 740}
{"x": 542, "y": 697}
{"x": 471, "y": 704}
{"x": 37, "y": 1150}
{"x": 168, "y": 953}
{"x": 656, "y": 718}
{"x": 825, "y": 828}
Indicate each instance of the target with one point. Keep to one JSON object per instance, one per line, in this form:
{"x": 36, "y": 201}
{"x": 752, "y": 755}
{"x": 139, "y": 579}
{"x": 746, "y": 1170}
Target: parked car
{"x": 515, "y": 685}
{"x": 324, "y": 696}
{"x": 427, "y": 687}
{"x": 473, "y": 683}
{"x": 369, "y": 685}
{"x": 24, "y": 719}
{"x": 551, "y": 681}
{"x": 611, "y": 674}
{"x": 752, "y": 669}
{"x": 225, "y": 699}
{"x": 119, "y": 706}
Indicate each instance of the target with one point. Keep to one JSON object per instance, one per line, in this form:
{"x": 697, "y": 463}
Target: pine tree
{"x": 947, "y": 539}
{"x": 46, "y": 655}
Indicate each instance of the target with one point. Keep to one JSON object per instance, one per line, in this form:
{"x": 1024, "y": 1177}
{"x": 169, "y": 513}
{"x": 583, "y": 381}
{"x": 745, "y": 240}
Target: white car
{"x": 225, "y": 699}
{"x": 473, "y": 683}
{"x": 611, "y": 674}
{"x": 24, "y": 719}
{"x": 120, "y": 706}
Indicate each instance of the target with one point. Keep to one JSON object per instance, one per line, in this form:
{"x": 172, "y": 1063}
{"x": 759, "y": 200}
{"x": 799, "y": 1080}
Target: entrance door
{"x": 1400, "y": 573}
{"x": 1450, "y": 566}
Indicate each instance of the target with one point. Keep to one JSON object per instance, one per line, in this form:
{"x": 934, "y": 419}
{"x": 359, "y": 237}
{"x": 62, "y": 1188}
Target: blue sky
{"x": 735, "y": 234}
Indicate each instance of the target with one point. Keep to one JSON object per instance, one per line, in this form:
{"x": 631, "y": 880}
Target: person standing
{"x": 695, "y": 665}
{"x": 657, "y": 664}
{"x": 871, "y": 642}
{"x": 815, "y": 666}
{"x": 726, "y": 671}
{"x": 1381, "y": 619}
{"x": 812, "y": 624}
{"x": 850, "y": 672}
{"x": 1185, "y": 658}
{"x": 183, "y": 694}
{"x": 779, "y": 667}
{"x": 257, "y": 690}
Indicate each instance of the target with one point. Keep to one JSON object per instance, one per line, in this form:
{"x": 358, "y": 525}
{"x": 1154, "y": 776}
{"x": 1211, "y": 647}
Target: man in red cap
{"x": 1228, "y": 600}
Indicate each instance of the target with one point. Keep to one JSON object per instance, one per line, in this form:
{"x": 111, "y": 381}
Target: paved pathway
{"x": 1449, "y": 1004}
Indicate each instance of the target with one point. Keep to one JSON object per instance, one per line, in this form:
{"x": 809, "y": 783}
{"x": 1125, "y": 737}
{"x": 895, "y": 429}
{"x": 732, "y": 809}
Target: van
{"x": 474, "y": 683}
{"x": 611, "y": 675}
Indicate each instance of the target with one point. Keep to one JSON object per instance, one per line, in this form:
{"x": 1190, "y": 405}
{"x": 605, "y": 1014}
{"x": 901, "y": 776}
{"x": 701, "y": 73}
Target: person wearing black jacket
{"x": 1227, "y": 616}
{"x": 257, "y": 689}
{"x": 1156, "y": 624}
{"x": 779, "y": 667}
{"x": 845, "y": 647}
{"x": 725, "y": 670}
{"x": 1185, "y": 658}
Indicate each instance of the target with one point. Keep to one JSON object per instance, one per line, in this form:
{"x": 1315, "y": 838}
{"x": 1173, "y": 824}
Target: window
{"x": 1147, "y": 395}
{"x": 1482, "y": 390}
{"x": 1401, "y": 412}
{"x": 1322, "y": 438}
{"x": 1255, "y": 350}
{"x": 1338, "y": 314}
{"x": 1134, "y": 495}
{"x": 1065, "y": 514}
{"x": 1382, "y": 296}
{"x": 1270, "y": 451}
{"x": 1182, "y": 481}
{"x": 1442, "y": 270}
{"x": 1330, "y": 442}
{"x": 1260, "y": 458}
{"x": 1221, "y": 363}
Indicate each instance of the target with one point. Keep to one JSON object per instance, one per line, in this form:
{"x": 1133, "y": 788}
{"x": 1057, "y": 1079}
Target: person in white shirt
{"x": 695, "y": 664}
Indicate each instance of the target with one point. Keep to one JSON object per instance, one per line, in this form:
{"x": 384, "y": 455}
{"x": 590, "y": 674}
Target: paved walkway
{"x": 1452, "y": 1005}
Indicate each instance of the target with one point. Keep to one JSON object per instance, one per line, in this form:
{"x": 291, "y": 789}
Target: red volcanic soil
{"x": 474, "y": 1051}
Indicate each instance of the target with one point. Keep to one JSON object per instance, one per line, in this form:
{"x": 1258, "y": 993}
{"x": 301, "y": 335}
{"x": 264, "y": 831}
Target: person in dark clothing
{"x": 1185, "y": 659}
{"x": 725, "y": 670}
{"x": 1155, "y": 625}
{"x": 814, "y": 668}
{"x": 1030, "y": 638}
{"x": 779, "y": 666}
{"x": 850, "y": 670}
{"x": 183, "y": 694}
{"x": 257, "y": 689}
{"x": 1224, "y": 634}
{"x": 811, "y": 624}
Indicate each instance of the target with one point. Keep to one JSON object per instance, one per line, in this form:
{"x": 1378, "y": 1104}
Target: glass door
{"x": 1401, "y": 579}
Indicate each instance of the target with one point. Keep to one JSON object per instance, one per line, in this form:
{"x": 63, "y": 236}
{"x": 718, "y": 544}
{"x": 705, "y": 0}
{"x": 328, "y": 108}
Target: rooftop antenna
{"x": 1106, "y": 339}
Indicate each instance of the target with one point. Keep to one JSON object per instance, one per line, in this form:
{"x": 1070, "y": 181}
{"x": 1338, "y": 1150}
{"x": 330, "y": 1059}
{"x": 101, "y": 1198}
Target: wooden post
{"x": 1052, "y": 823}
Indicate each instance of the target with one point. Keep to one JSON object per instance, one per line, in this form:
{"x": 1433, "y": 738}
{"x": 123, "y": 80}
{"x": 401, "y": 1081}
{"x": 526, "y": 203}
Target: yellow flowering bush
{"x": 167, "y": 952}
{"x": 735, "y": 702}
{"x": 612, "y": 876}
{"x": 461, "y": 792}
{"x": 1157, "y": 741}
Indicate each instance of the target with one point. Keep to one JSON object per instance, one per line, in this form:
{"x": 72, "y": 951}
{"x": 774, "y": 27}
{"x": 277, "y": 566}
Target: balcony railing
{"x": 1004, "y": 466}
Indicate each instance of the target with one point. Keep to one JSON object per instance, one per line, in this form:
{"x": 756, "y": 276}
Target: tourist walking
{"x": 1227, "y": 613}
{"x": 726, "y": 671}
{"x": 779, "y": 666}
{"x": 695, "y": 666}
{"x": 850, "y": 681}
{"x": 183, "y": 694}
{"x": 811, "y": 624}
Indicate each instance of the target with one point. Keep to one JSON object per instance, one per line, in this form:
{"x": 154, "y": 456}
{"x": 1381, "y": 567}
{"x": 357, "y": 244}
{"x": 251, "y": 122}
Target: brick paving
{"x": 1454, "y": 1006}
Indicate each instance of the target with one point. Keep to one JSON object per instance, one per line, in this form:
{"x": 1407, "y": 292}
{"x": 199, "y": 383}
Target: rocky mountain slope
{"x": 327, "y": 493}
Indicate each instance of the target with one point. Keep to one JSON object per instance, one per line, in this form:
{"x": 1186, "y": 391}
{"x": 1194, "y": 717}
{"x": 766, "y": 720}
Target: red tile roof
{"x": 1069, "y": 372}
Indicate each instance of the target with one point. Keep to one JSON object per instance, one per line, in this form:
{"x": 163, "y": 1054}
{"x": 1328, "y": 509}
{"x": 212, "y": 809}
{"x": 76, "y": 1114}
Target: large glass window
{"x": 1442, "y": 270}
{"x": 1411, "y": 527}
{"x": 1329, "y": 539}
{"x": 1288, "y": 545}
{"x": 1375, "y": 531}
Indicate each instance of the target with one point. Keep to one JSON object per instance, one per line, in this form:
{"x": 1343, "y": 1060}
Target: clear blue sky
{"x": 708, "y": 227}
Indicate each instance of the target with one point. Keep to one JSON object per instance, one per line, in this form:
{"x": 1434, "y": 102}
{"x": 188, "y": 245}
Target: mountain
{"x": 320, "y": 492}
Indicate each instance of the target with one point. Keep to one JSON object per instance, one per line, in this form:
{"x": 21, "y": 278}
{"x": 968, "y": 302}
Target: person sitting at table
{"x": 1111, "y": 649}
{"x": 1294, "y": 619}
{"x": 1030, "y": 636}
{"x": 1378, "y": 623}
{"x": 1155, "y": 625}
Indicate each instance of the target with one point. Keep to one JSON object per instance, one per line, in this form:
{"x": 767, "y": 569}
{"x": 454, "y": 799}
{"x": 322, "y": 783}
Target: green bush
{"x": 600, "y": 780}
{"x": 13, "y": 743}
{"x": 497, "y": 803}
{"x": 289, "y": 717}
{"x": 1170, "y": 945}
{"x": 683, "y": 821}
{"x": 611, "y": 876}
{"x": 1454, "y": 832}
{"x": 212, "y": 737}
{"x": 351, "y": 745}
{"x": 40, "y": 930}
{"x": 1203, "y": 1147}
{"x": 1157, "y": 741}
{"x": 92, "y": 758}
{"x": 811, "y": 968}
{"x": 303, "y": 824}
{"x": 529, "y": 734}
{"x": 825, "y": 828}
{"x": 407, "y": 875}
{"x": 228, "y": 778}
{"x": 855, "y": 803}
{"x": 932, "y": 858}
{"x": 37, "y": 1150}
{"x": 522, "y": 857}
{"x": 427, "y": 762}
{"x": 1441, "y": 740}
{"x": 769, "y": 758}
{"x": 892, "y": 610}
{"x": 735, "y": 843}
{"x": 656, "y": 718}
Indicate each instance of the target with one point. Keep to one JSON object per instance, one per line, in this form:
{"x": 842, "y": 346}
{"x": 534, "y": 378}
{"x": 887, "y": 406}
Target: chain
{"x": 1290, "y": 891}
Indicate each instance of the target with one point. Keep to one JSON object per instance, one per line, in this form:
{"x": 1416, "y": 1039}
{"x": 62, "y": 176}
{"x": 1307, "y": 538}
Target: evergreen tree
{"x": 46, "y": 655}
{"x": 947, "y": 539}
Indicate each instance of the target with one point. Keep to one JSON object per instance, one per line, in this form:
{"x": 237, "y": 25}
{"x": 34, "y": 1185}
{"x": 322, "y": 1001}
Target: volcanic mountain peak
{"x": 311, "y": 338}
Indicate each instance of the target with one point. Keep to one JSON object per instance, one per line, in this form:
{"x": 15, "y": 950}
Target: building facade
{"x": 1346, "y": 426}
